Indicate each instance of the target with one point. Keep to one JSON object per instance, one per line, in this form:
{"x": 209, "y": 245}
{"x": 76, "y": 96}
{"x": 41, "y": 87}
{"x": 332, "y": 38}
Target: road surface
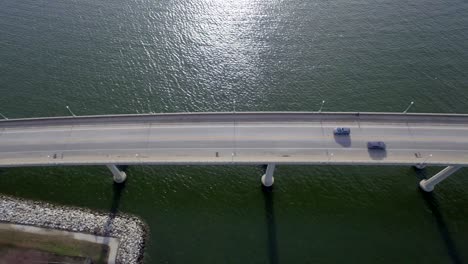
{"x": 242, "y": 138}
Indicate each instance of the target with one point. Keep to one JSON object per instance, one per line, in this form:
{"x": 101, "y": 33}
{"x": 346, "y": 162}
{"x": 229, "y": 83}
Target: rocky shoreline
{"x": 130, "y": 230}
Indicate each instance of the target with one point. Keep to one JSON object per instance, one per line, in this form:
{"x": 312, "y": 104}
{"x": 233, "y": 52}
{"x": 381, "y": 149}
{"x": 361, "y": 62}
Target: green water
{"x": 139, "y": 56}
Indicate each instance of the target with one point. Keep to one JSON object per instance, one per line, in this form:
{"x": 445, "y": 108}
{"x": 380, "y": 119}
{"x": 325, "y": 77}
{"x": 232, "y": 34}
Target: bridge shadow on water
{"x": 117, "y": 189}
{"x": 271, "y": 225}
{"x": 431, "y": 202}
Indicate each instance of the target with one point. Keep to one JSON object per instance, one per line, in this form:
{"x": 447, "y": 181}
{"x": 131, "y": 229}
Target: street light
{"x": 69, "y": 110}
{"x": 320, "y": 110}
{"x": 430, "y": 155}
{"x": 411, "y": 104}
{"x": 422, "y": 165}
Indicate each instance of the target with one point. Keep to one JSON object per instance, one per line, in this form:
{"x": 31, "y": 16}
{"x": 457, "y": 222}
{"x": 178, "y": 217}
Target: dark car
{"x": 342, "y": 131}
{"x": 376, "y": 145}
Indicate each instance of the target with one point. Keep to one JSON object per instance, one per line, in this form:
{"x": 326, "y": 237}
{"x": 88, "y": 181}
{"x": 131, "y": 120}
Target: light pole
{"x": 4, "y": 117}
{"x": 411, "y": 104}
{"x": 422, "y": 165}
{"x": 424, "y": 162}
{"x": 321, "y": 106}
{"x": 69, "y": 110}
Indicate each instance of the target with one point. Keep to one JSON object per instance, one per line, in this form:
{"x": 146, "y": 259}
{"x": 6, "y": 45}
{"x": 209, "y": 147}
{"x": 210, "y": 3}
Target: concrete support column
{"x": 428, "y": 185}
{"x": 267, "y": 178}
{"x": 119, "y": 176}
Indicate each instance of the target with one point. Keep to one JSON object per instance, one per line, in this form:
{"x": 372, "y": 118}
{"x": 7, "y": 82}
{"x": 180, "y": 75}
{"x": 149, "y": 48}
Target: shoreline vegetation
{"x": 18, "y": 255}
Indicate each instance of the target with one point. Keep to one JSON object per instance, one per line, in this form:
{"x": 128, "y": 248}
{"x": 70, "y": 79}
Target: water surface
{"x": 140, "y": 56}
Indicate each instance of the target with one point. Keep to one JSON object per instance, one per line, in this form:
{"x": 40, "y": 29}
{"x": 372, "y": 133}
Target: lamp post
{"x": 424, "y": 162}
{"x": 422, "y": 165}
{"x": 411, "y": 104}
{"x": 321, "y": 106}
{"x": 69, "y": 110}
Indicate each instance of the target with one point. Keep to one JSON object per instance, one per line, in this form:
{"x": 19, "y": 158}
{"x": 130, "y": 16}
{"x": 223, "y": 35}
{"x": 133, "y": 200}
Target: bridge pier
{"x": 429, "y": 184}
{"x": 119, "y": 176}
{"x": 267, "y": 178}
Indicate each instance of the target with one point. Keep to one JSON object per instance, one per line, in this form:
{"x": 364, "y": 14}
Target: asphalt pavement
{"x": 234, "y": 142}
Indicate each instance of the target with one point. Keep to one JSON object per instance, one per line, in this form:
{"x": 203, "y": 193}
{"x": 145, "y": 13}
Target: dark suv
{"x": 338, "y": 131}
{"x": 376, "y": 145}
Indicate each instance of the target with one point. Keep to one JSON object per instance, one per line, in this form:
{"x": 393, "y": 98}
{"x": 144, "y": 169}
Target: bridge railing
{"x": 244, "y": 117}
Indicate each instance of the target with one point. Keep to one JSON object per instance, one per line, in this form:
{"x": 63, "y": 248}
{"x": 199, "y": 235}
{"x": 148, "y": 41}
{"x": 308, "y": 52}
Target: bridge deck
{"x": 243, "y": 138}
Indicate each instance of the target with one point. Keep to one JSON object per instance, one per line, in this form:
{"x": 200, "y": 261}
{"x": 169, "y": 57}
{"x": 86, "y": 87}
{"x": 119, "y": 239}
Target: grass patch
{"x": 64, "y": 245}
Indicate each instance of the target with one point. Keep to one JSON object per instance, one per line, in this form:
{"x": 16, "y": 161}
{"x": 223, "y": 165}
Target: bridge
{"x": 267, "y": 138}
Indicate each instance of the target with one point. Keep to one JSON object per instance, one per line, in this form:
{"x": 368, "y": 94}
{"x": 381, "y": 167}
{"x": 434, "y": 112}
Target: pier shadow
{"x": 116, "y": 197}
{"x": 344, "y": 141}
{"x": 123, "y": 168}
{"x": 433, "y": 205}
{"x": 421, "y": 174}
{"x": 117, "y": 189}
{"x": 271, "y": 225}
{"x": 377, "y": 154}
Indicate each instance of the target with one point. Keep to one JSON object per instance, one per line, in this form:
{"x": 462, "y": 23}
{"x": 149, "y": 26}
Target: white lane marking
{"x": 306, "y": 138}
{"x": 219, "y": 148}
